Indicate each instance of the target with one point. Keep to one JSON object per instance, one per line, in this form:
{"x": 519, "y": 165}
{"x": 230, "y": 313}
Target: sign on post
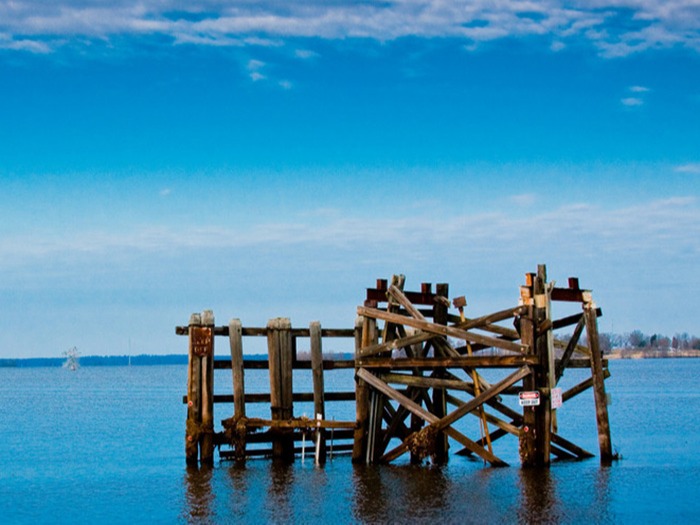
{"x": 557, "y": 400}
{"x": 529, "y": 398}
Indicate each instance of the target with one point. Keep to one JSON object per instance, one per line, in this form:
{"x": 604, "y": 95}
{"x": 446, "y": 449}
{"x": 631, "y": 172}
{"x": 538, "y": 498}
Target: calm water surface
{"x": 105, "y": 445}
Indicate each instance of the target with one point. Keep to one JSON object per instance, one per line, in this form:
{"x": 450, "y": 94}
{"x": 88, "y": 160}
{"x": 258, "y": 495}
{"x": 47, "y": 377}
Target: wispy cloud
{"x": 638, "y": 97}
{"x": 615, "y": 27}
{"x": 255, "y": 70}
{"x": 632, "y": 101}
{"x": 668, "y": 228}
{"x": 693, "y": 167}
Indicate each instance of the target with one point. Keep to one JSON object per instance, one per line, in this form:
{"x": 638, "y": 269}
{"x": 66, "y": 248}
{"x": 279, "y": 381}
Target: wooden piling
{"x": 235, "y": 332}
{"x": 199, "y": 441}
{"x": 439, "y": 400}
{"x": 367, "y": 328}
{"x": 194, "y": 415}
{"x": 207, "y": 445}
{"x": 280, "y": 348}
{"x": 319, "y": 398}
{"x": 598, "y": 376}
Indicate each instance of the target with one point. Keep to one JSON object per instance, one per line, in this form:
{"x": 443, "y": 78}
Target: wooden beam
{"x": 439, "y": 329}
{"x": 564, "y": 361}
{"x": 428, "y": 363}
{"x": 428, "y": 417}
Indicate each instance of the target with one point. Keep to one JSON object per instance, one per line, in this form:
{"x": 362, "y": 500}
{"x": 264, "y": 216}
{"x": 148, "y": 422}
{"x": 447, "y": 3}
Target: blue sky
{"x": 269, "y": 159}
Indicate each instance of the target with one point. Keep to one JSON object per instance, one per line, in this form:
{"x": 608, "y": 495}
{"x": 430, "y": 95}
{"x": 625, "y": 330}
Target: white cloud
{"x": 615, "y": 27}
{"x": 305, "y": 54}
{"x": 254, "y": 67}
{"x": 632, "y": 101}
{"x": 693, "y": 167}
{"x": 667, "y": 227}
{"x": 639, "y": 89}
{"x": 525, "y": 199}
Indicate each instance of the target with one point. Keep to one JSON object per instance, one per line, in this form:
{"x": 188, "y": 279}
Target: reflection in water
{"x": 538, "y": 501}
{"x": 386, "y": 494}
{"x": 602, "y": 494}
{"x": 278, "y": 506}
{"x": 200, "y": 497}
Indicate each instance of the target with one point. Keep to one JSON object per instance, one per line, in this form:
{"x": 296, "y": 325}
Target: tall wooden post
{"x": 194, "y": 411}
{"x": 545, "y": 371}
{"x": 528, "y": 443}
{"x": 365, "y": 335}
{"x": 317, "y": 372}
{"x": 597, "y": 372}
{"x": 235, "y": 331}
{"x": 199, "y": 433}
{"x": 207, "y": 445}
{"x": 535, "y": 327}
{"x": 439, "y": 398}
{"x": 280, "y": 348}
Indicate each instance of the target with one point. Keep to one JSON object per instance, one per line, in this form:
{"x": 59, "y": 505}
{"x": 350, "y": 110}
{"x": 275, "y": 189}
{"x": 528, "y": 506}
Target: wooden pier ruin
{"x": 419, "y": 372}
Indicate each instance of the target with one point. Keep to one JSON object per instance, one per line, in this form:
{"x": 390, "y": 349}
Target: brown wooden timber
{"x": 601, "y": 401}
{"x": 238, "y": 375}
{"x": 365, "y": 335}
{"x": 319, "y": 390}
{"x": 281, "y": 405}
{"x": 238, "y": 378}
{"x": 194, "y": 415}
{"x": 264, "y": 364}
{"x": 439, "y": 400}
{"x": 428, "y": 417}
{"x": 568, "y": 352}
{"x": 438, "y": 329}
{"x": 262, "y": 332}
{"x": 427, "y": 363}
{"x": 301, "y": 423}
{"x": 484, "y": 397}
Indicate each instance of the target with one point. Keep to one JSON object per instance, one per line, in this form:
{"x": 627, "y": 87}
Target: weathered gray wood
{"x": 319, "y": 390}
{"x": 366, "y": 335}
{"x": 601, "y": 401}
{"x": 427, "y": 363}
{"x": 570, "y": 347}
{"x": 486, "y": 320}
{"x": 428, "y": 417}
{"x": 207, "y": 442}
{"x": 238, "y": 377}
{"x": 438, "y": 329}
{"x": 426, "y": 382}
{"x": 238, "y": 374}
{"x": 280, "y": 357}
{"x": 194, "y": 407}
{"x": 461, "y": 411}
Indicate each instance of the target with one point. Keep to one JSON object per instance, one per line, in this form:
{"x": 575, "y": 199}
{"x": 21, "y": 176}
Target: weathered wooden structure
{"x": 419, "y": 373}
{"x": 278, "y": 435}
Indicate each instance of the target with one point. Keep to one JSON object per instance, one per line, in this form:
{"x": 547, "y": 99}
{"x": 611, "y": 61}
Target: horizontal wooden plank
{"x": 262, "y": 364}
{"x": 307, "y": 424}
{"x": 439, "y": 329}
{"x": 262, "y": 332}
{"x": 298, "y": 396}
{"x": 510, "y": 361}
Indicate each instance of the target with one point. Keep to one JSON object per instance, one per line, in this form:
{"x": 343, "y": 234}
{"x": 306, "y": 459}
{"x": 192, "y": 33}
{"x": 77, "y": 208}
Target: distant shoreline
{"x": 181, "y": 359}
{"x": 635, "y": 353}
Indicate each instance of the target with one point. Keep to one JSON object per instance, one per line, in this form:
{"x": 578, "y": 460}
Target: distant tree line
{"x": 637, "y": 340}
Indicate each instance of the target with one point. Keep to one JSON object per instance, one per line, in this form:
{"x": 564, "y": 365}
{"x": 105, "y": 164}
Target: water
{"x": 106, "y": 445}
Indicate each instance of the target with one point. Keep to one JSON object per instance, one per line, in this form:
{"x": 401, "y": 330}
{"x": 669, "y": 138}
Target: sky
{"x": 269, "y": 158}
